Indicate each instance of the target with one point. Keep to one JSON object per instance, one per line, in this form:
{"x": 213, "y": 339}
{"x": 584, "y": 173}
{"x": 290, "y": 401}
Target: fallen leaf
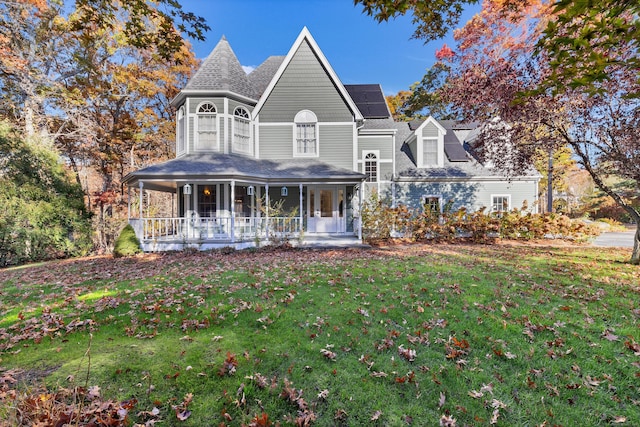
{"x": 441, "y": 400}
{"x": 447, "y": 421}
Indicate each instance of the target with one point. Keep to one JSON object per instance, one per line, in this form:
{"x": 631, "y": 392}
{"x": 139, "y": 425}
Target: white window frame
{"x": 236, "y": 146}
{"x": 181, "y": 131}
{"x": 306, "y": 118}
{"x": 434, "y": 196}
{"x": 376, "y": 153}
{"x": 507, "y": 196}
{"x": 435, "y": 141}
{"x": 216, "y": 144}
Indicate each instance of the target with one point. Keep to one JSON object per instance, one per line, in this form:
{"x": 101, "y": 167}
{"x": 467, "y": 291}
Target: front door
{"x": 326, "y": 209}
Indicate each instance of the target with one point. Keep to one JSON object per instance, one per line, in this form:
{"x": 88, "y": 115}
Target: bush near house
{"x": 382, "y": 223}
{"x": 127, "y": 244}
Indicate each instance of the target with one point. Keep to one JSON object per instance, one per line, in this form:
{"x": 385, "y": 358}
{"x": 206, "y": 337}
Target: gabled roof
{"x": 370, "y": 100}
{"x": 305, "y": 35}
{"x": 221, "y": 71}
{"x": 407, "y": 169}
{"x": 262, "y": 76}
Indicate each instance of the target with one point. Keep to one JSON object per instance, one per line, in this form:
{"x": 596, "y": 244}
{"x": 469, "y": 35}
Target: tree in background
{"x": 397, "y": 104}
{"x": 585, "y": 38}
{"x": 433, "y": 19}
{"x": 43, "y": 214}
{"x": 96, "y": 80}
{"x": 511, "y": 56}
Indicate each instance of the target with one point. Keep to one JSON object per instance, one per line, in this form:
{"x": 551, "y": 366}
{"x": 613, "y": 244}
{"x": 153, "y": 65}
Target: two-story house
{"x": 288, "y": 149}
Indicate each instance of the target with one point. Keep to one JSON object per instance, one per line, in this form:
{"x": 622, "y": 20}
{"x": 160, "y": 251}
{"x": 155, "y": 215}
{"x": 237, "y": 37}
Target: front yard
{"x": 404, "y": 335}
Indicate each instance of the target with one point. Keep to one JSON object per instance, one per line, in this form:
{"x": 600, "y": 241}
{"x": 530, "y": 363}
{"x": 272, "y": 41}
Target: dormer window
{"x": 306, "y": 134}
{"x": 430, "y": 144}
{"x": 206, "y": 127}
{"x": 180, "y": 137}
{"x": 242, "y": 131}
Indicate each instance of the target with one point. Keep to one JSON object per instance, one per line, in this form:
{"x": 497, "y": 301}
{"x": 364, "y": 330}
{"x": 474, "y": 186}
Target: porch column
{"x": 141, "y": 185}
{"x": 128, "y": 202}
{"x": 266, "y": 210}
{"x": 233, "y": 211}
{"x": 301, "y": 212}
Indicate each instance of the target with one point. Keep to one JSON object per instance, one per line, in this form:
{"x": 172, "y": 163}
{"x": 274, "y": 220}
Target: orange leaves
{"x": 181, "y": 410}
{"x": 455, "y": 349}
{"x": 229, "y": 365}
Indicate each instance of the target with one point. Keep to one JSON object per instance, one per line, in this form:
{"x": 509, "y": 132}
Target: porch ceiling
{"x": 215, "y": 166}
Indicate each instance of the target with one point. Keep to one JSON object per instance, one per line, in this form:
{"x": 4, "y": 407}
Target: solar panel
{"x": 370, "y": 100}
{"x": 455, "y": 151}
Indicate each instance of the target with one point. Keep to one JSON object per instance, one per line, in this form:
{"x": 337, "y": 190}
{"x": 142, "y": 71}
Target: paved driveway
{"x": 618, "y": 239}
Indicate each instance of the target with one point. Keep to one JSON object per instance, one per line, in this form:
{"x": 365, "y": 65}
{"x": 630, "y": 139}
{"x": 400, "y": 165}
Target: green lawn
{"x": 504, "y": 335}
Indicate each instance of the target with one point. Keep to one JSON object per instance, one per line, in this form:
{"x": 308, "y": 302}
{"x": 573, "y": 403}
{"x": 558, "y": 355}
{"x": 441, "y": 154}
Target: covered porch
{"x": 215, "y": 207}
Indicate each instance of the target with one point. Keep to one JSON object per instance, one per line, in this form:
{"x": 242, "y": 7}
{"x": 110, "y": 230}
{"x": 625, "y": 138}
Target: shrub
{"x": 43, "y": 214}
{"x": 127, "y": 243}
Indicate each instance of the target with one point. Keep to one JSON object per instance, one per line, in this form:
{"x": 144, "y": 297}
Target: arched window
{"x": 306, "y": 134}
{"x": 180, "y": 137}
{"x": 241, "y": 131}
{"x": 371, "y": 167}
{"x": 206, "y": 127}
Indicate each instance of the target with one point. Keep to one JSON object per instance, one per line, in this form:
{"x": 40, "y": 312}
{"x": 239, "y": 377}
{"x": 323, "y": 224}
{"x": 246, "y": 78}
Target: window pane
{"x": 312, "y": 203}
{"x": 306, "y": 138}
{"x": 430, "y": 151}
{"x": 207, "y": 200}
{"x": 326, "y": 203}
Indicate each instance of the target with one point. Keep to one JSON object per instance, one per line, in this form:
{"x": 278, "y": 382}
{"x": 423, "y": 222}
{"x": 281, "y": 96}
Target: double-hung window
{"x": 241, "y": 131}
{"x": 306, "y": 134}
{"x": 206, "y": 127}
{"x": 500, "y": 203}
{"x": 430, "y": 152}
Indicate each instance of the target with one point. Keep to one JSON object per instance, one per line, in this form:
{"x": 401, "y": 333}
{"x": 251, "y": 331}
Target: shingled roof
{"x": 262, "y": 76}
{"x": 221, "y": 71}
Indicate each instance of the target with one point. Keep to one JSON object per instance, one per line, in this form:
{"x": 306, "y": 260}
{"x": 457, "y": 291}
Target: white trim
{"x": 233, "y": 130}
{"x": 433, "y": 196}
{"x": 373, "y": 133}
{"x": 225, "y": 128}
{"x": 508, "y": 196}
{"x": 439, "y": 143}
{"x": 196, "y": 132}
{"x": 306, "y": 35}
{"x": 306, "y": 117}
{"x": 345, "y": 124}
{"x": 181, "y": 111}
{"x": 377, "y": 162}
{"x": 355, "y": 145}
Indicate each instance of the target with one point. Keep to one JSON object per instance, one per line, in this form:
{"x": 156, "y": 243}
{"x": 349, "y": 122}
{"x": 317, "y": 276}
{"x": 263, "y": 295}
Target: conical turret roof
{"x": 221, "y": 71}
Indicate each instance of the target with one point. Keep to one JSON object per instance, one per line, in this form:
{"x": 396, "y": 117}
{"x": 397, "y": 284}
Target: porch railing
{"x": 218, "y": 228}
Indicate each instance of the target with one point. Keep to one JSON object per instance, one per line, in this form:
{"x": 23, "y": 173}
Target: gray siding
{"x": 276, "y": 142}
{"x": 386, "y": 171}
{"x": 336, "y": 145}
{"x": 191, "y": 126}
{"x": 470, "y": 195}
{"x": 305, "y": 85}
{"x": 413, "y": 147}
{"x": 430, "y": 130}
{"x": 383, "y": 143}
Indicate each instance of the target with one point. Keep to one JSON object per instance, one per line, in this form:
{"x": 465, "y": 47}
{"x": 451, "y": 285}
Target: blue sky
{"x": 359, "y": 49}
